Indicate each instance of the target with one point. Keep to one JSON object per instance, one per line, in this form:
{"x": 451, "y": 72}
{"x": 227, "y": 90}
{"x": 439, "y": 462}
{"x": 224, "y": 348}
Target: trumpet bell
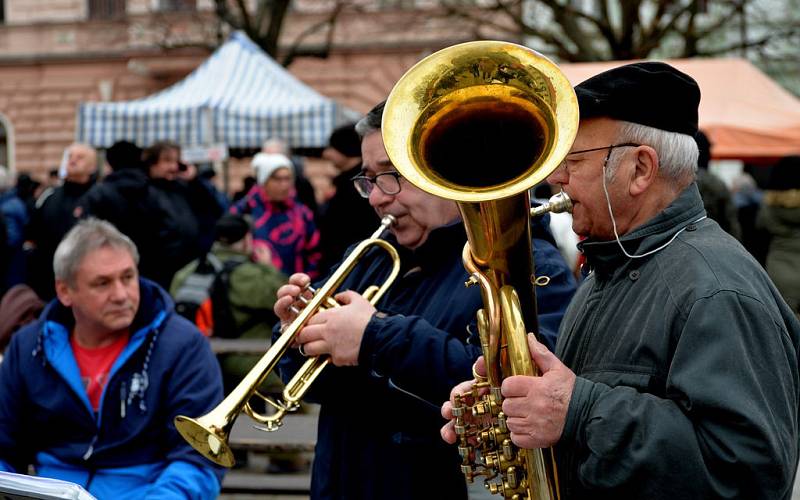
{"x": 210, "y": 440}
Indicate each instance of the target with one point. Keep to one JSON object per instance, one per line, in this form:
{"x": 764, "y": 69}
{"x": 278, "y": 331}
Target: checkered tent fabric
{"x": 239, "y": 96}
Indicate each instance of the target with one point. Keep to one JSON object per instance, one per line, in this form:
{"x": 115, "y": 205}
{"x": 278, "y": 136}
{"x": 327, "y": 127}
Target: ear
{"x": 645, "y": 170}
{"x": 63, "y": 293}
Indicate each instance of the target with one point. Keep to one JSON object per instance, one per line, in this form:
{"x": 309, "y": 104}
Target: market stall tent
{"x": 239, "y": 96}
{"x": 745, "y": 114}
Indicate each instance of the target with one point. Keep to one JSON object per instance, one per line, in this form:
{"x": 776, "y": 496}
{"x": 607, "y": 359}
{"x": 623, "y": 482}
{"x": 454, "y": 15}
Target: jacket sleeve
{"x": 727, "y": 427}
{"x": 13, "y": 405}
{"x": 416, "y": 357}
{"x": 194, "y": 388}
{"x": 185, "y": 480}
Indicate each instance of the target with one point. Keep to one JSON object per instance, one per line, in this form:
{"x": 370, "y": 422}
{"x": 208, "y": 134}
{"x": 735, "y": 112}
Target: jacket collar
{"x": 606, "y": 256}
{"x": 437, "y": 248}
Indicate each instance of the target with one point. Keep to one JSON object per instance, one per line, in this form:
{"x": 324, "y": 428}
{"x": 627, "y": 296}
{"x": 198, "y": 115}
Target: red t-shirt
{"x": 95, "y": 364}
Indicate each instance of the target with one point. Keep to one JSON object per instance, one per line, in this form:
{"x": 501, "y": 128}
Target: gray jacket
{"x": 687, "y": 364}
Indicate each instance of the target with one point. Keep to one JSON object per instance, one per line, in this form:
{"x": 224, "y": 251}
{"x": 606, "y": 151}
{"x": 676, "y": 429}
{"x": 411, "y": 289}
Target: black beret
{"x": 649, "y": 93}
{"x": 231, "y": 228}
{"x": 785, "y": 174}
{"x": 345, "y": 140}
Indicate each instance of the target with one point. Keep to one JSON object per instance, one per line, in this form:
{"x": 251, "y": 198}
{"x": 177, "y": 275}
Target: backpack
{"x": 203, "y": 297}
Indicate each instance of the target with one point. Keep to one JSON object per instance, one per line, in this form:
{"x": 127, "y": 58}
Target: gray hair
{"x": 677, "y": 153}
{"x": 85, "y": 237}
{"x": 372, "y": 121}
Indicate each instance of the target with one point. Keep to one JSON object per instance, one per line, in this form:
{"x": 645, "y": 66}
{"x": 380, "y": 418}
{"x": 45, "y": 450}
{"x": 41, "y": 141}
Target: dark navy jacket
{"x": 378, "y": 435}
{"x": 129, "y": 448}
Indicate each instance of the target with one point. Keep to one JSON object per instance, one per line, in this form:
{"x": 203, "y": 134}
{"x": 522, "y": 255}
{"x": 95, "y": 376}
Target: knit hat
{"x": 345, "y": 140}
{"x": 265, "y": 164}
{"x": 231, "y": 228}
{"x": 20, "y": 306}
{"x": 649, "y": 93}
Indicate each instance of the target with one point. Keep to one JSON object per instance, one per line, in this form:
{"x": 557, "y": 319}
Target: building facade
{"x": 55, "y": 54}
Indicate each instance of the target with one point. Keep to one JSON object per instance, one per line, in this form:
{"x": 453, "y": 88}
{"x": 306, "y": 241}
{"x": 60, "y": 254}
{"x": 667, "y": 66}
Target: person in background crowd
{"x": 15, "y": 215}
{"x": 405, "y": 352}
{"x": 57, "y": 210}
{"x": 208, "y": 218}
{"x": 779, "y": 217}
{"x": 27, "y": 190}
{"x": 20, "y": 305}
{"x": 247, "y": 184}
{"x": 304, "y": 191}
{"x": 282, "y": 226}
{"x": 187, "y": 199}
{"x": 748, "y": 198}
{"x": 252, "y": 286}
{"x": 346, "y": 217}
{"x": 112, "y": 364}
{"x": 126, "y": 199}
{"x": 717, "y": 199}
{"x": 676, "y": 369}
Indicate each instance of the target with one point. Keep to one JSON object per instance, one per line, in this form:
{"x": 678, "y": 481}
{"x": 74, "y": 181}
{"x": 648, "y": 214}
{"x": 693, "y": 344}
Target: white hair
{"x": 677, "y": 153}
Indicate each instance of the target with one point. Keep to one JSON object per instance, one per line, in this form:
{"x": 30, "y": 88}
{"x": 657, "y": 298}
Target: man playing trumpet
{"x": 407, "y": 352}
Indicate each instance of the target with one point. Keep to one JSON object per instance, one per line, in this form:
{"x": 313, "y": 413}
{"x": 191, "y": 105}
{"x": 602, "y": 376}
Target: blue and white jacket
{"x": 129, "y": 448}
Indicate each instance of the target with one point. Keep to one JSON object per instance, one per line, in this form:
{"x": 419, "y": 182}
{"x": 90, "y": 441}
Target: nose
{"x": 559, "y": 175}
{"x": 378, "y": 198}
{"x": 119, "y": 292}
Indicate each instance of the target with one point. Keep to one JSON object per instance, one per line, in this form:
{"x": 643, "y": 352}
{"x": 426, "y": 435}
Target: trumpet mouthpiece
{"x": 557, "y": 204}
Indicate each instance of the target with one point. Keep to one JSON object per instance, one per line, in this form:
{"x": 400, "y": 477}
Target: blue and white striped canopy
{"x": 239, "y": 96}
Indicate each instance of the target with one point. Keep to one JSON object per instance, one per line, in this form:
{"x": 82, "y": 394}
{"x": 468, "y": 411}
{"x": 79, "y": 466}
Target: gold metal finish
{"x": 209, "y": 434}
{"x": 481, "y": 123}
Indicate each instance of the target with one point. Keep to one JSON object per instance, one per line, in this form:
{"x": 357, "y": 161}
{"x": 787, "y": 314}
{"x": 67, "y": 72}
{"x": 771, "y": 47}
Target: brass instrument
{"x": 481, "y": 123}
{"x": 209, "y": 434}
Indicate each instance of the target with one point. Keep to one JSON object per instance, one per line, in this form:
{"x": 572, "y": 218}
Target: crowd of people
{"x": 669, "y": 363}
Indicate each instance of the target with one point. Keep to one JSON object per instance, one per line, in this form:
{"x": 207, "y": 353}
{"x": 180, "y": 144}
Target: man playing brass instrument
{"x": 676, "y": 369}
{"x": 405, "y": 354}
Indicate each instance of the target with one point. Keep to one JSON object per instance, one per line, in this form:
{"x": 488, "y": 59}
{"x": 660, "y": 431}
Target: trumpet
{"x": 210, "y": 433}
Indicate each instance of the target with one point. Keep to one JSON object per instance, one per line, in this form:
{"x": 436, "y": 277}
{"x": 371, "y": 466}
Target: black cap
{"x": 346, "y": 141}
{"x": 649, "y": 93}
{"x": 231, "y": 228}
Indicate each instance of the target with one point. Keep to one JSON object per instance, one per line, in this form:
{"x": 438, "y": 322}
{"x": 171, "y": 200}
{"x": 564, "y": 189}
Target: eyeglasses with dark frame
{"x": 387, "y": 182}
{"x": 609, "y": 148}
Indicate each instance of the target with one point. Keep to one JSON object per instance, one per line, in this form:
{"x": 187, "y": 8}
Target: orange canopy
{"x": 744, "y": 113}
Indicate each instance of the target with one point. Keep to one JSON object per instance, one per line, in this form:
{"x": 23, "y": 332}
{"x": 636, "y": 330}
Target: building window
{"x": 177, "y": 5}
{"x": 106, "y": 9}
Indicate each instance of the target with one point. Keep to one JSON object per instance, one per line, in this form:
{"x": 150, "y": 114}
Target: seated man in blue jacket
{"x": 89, "y": 391}
{"x": 406, "y": 352}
